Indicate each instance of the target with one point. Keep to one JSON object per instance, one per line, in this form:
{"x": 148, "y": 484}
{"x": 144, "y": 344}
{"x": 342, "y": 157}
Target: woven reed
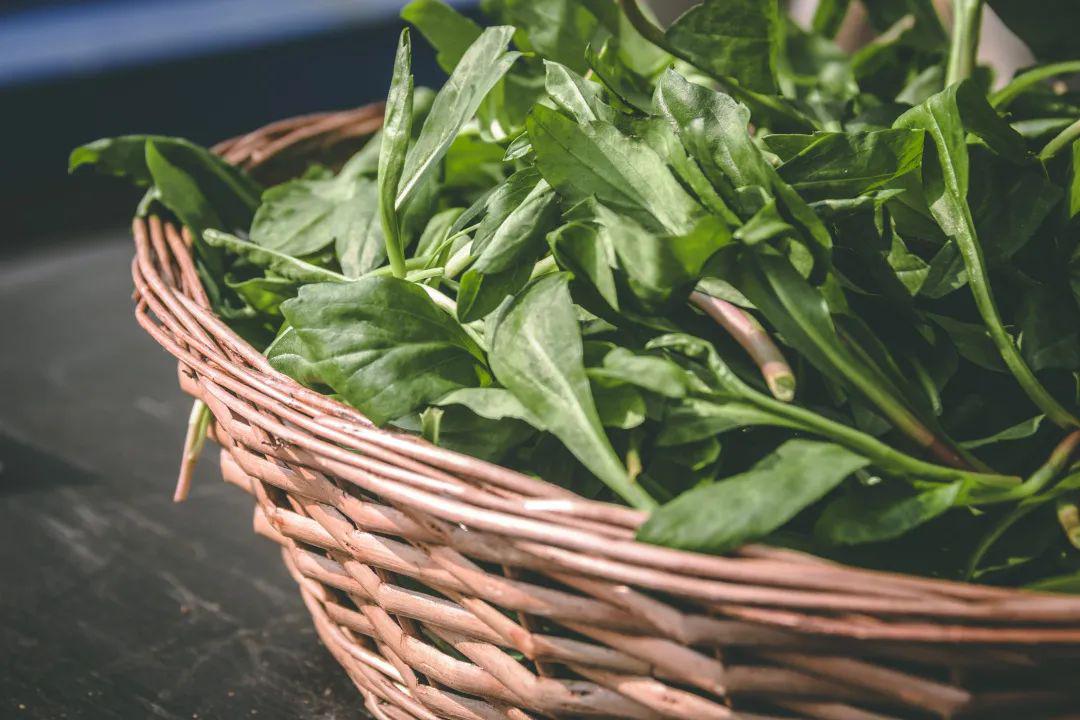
{"x": 448, "y": 587}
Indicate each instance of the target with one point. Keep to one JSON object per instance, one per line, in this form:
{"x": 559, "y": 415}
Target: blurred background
{"x": 75, "y": 70}
{"x": 114, "y": 603}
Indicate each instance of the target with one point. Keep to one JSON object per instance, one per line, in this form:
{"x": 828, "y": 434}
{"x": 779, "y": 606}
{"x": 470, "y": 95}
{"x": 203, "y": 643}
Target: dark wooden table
{"x": 114, "y": 602}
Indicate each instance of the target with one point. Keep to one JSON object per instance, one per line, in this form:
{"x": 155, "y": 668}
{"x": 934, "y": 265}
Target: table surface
{"x": 115, "y": 602}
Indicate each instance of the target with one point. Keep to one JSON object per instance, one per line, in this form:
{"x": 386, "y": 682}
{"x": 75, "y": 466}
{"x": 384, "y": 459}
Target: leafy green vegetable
{"x": 739, "y": 39}
{"x": 749, "y": 506}
{"x": 397, "y": 125}
{"x": 536, "y": 353}
{"x": 599, "y": 161}
{"x": 448, "y": 30}
{"x": 476, "y": 73}
{"x": 724, "y": 272}
{"x": 301, "y": 217}
{"x": 945, "y": 117}
{"x": 383, "y": 345}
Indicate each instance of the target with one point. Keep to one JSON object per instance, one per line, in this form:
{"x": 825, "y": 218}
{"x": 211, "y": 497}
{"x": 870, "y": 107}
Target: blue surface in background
{"x": 71, "y": 72}
{"x": 44, "y": 41}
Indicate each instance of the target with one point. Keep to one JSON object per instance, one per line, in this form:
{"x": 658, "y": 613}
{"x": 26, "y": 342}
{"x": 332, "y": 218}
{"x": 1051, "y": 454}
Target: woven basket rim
{"x": 764, "y": 585}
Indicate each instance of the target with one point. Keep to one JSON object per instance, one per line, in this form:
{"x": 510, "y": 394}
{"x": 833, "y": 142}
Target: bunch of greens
{"x": 722, "y": 271}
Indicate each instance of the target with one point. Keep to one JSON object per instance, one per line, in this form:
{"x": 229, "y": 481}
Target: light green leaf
{"x": 536, "y": 353}
{"x": 482, "y": 65}
{"x": 596, "y": 160}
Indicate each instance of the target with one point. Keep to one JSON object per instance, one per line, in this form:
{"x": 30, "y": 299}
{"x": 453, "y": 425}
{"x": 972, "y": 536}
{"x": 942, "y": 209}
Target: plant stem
{"x": 1003, "y": 97}
{"x": 642, "y": 24}
{"x": 754, "y": 340}
{"x": 1053, "y": 467}
{"x": 459, "y": 261}
{"x": 544, "y": 266}
{"x": 447, "y": 304}
{"x": 1069, "y": 518}
{"x": 1063, "y": 140}
{"x": 882, "y": 455}
{"x": 967, "y": 21}
{"x": 1047, "y": 472}
{"x": 198, "y": 422}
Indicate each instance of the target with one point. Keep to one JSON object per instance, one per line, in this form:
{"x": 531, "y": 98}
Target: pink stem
{"x": 754, "y": 340}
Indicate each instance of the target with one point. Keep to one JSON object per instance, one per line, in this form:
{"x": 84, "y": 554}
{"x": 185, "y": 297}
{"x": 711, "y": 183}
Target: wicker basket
{"x": 448, "y": 587}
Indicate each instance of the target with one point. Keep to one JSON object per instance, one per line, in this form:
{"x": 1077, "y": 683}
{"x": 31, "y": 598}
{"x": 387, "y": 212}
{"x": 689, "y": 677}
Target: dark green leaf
{"x": 576, "y": 95}
{"x": 720, "y": 517}
{"x": 875, "y": 514}
{"x": 228, "y": 190}
{"x": 480, "y": 293}
{"x": 1047, "y": 29}
{"x": 383, "y": 345}
{"x": 737, "y": 39}
{"x": 1019, "y": 431}
{"x": 301, "y": 217}
{"x": 556, "y": 29}
{"x": 450, "y": 32}
{"x": 841, "y": 165}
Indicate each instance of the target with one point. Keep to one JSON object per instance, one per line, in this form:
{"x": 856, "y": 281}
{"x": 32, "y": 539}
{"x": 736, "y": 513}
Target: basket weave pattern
{"x": 448, "y": 587}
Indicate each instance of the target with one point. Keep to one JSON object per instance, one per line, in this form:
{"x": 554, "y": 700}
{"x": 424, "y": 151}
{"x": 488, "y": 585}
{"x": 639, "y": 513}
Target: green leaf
{"x": 576, "y": 95}
{"x": 286, "y": 355}
{"x": 599, "y": 161}
{"x": 713, "y": 128}
{"x": 536, "y": 353}
{"x": 619, "y": 405}
{"x": 696, "y": 419}
{"x": 829, "y": 15}
{"x": 264, "y": 294}
{"x": 720, "y": 517}
{"x": 585, "y": 251}
{"x": 972, "y": 341}
{"x": 946, "y": 117}
{"x": 555, "y": 29}
{"x": 383, "y": 345}
{"x": 801, "y": 314}
{"x": 1009, "y": 205}
{"x": 481, "y": 293}
{"x": 397, "y": 127}
{"x": 279, "y": 263}
{"x": 842, "y": 165}
{"x": 462, "y": 430}
{"x": 1047, "y": 29}
{"x": 520, "y": 236}
{"x": 875, "y": 514}
{"x": 231, "y": 193}
{"x": 1019, "y": 431}
{"x": 649, "y": 372}
{"x": 301, "y": 217}
{"x": 438, "y": 229}
{"x": 482, "y": 65}
{"x": 738, "y": 39}
{"x": 659, "y": 268}
{"x": 448, "y": 31}
{"x": 493, "y": 403}
{"x": 181, "y": 192}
